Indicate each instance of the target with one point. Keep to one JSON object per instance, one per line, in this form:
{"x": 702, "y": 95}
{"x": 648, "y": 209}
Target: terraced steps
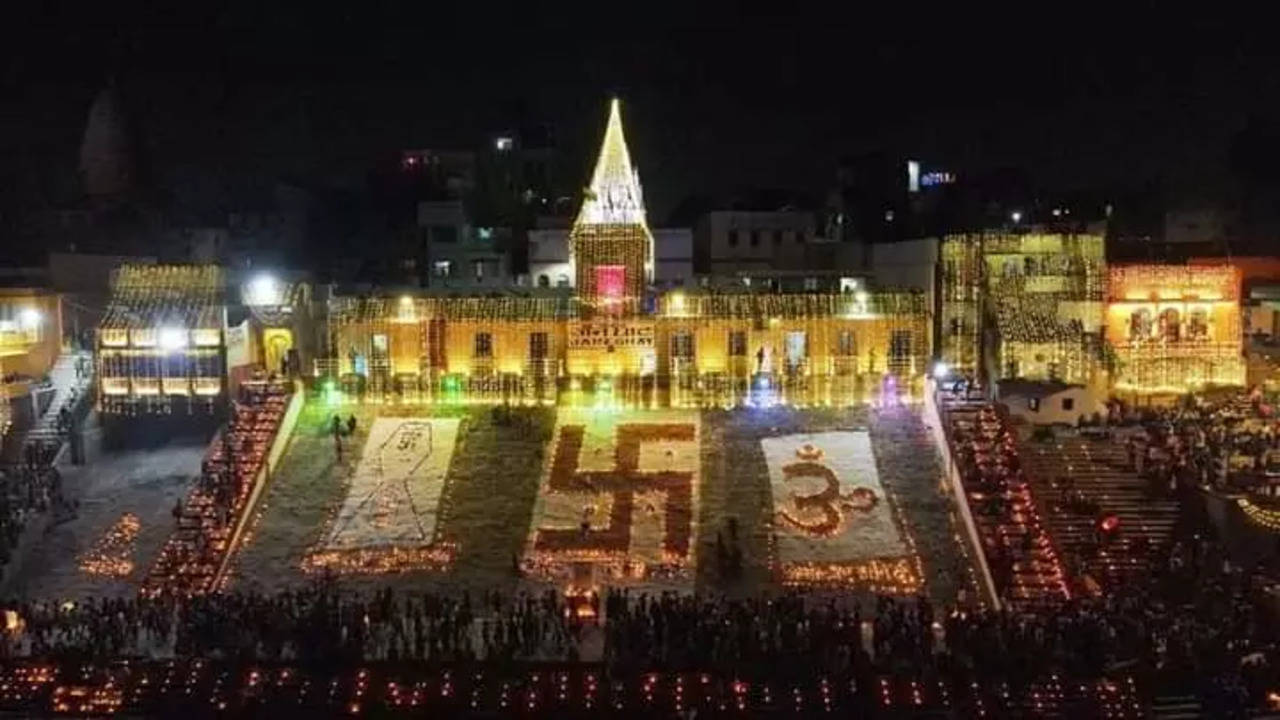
{"x": 1097, "y": 470}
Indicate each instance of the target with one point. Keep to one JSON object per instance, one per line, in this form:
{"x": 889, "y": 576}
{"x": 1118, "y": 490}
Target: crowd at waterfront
{"x": 1198, "y": 624}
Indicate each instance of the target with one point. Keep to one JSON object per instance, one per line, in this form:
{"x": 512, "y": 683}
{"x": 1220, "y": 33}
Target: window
{"x": 503, "y": 144}
{"x": 1029, "y": 266}
{"x": 562, "y": 280}
{"x": 444, "y": 268}
{"x": 957, "y": 326}
{"x": 810, "y": 283}
{"x": 733, "y": 238}
{"x": 737, "y": 343}
{"x": 846, "y": 344}
{"x": 1068, "y": 403}
{"x": 682, "y": 345}
{"x": 1171, "y": 325}
{"x": 755, "y": 238}
{"x": 796, "y": 345}
{"x": 478, "y": 268}
{"x": 443, "y": 233}
{"x": 900, "y": 346}
{"x": 1140, "y": 324}
{"x": 484, "y": 345}
{"x": 544, "y": 281}
{"x": 1198, "y": 324}
{"x": 538, "y": 346}
{"x": 1033, "y": 404}
{"x": 777, "y": 237}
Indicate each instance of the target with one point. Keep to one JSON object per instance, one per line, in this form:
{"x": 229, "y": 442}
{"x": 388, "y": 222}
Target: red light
{"x": 611, "y": 280}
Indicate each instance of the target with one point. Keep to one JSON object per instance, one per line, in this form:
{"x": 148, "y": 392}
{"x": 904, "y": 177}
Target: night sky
{"x": 714, "y": 99}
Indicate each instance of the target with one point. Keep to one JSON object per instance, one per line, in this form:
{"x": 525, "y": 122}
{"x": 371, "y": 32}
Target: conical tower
{"x": 108, "y": 165}
{"x": 610, "y": 245}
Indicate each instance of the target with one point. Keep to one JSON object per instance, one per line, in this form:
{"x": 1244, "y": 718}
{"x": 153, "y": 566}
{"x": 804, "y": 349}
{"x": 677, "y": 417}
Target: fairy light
{"x": 1260, "y": 516}
{"x": 1039, "y": 289}
{"x": 161, "y": 317}
{"x": 1175, "y": 328}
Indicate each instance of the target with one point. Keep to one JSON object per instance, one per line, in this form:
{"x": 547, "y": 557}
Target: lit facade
{"x": 608, "y": 340}
{"x": 160, "y": 344}
{"x": 30, "y": 339}
{"x": 1175, "y": 328}
{"x": 30, "y": 331}
{"x": 1022, "y": 305}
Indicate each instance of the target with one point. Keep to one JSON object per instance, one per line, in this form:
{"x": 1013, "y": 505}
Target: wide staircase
{"x": 72, "y": 379}
{"x": 1096, "y": 471}
{"x": 190, "y": 561}
{"x": 1023, "y": 560}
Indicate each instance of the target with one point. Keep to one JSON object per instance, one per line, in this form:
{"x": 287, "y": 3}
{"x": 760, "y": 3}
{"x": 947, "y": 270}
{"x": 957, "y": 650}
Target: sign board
{"x": 610, "y": 334}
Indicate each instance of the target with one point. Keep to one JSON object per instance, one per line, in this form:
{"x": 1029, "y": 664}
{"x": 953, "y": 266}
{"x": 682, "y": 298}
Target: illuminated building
{"x": 160, "y": 344}
{"x": 30, "y": 338}
{"x": 1175, "y": 328}
{"x": 606, "y": 340}
{"x": 1022, "y": 305}
{"x": 30, "y": 331}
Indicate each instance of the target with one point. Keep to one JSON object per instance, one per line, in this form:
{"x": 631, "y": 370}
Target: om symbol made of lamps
{"x": 833, "y": 506}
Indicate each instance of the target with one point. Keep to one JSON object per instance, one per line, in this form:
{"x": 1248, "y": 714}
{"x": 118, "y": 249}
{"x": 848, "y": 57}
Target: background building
{"x": 1175, "y": 328}
{"x": 1022, "y": 305}
{"x": 778, "y": 249}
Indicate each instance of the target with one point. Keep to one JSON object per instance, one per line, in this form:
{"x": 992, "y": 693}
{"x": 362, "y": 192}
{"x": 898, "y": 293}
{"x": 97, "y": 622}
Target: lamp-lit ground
{"x": 145, "y": 483}
{"x": 484, "y": 523}
{"x": 489, "y": 498}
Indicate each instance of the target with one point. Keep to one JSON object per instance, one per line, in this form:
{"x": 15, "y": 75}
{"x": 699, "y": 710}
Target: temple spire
{"x": 614, "y": 196}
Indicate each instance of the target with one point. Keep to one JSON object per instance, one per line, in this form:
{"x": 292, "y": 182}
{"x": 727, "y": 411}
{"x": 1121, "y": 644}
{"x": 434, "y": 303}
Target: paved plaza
{"x": 427, "y": 498}
{"x": 143, "y": 483}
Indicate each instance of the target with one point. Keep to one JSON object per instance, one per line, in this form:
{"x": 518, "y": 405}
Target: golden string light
{"x": 1043, "y": 292}
{"x": 1175, "y": 328}
{"x": 1260, "y": 516}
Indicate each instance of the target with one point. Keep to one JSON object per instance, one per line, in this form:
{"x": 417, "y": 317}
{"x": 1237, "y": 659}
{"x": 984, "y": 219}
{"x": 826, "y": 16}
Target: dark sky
{"x": 714, "y": 98}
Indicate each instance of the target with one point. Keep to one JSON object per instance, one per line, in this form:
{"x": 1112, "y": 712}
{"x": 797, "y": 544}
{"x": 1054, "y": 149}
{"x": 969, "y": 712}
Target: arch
{"x": 1198, "y": 324}
{"x": 1140, "y": 324}
{"x": 1171, "y": 325}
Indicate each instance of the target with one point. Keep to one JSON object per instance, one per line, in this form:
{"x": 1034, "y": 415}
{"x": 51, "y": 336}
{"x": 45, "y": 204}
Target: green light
{"x": 331, "y": 394}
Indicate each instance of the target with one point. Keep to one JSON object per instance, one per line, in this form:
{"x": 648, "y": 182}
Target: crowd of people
{"x": 1232, "y": 444}
{"x": 29, "y": 490}
{"x": 1197, "y": 625}
{"x": 315, "y": 625}
{"x": 1198, "y": 621}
